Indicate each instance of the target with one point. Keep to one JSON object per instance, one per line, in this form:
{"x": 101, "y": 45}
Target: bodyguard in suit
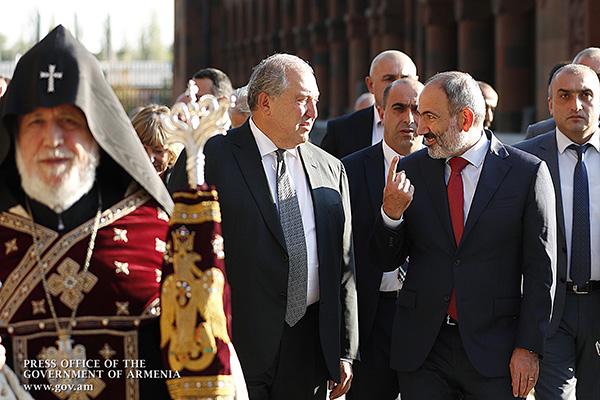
{"x": 569, "y": 369}
{"x": 475, "y": 218}
{"x": 362, "y": 128}
{"x": 288, "y": 244}
{"x": 377, "y": 291}
{"x": 590, "y": 57}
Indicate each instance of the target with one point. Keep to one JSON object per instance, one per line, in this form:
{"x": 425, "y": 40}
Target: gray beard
{"x": 74, "y": 184}
{"x": 450, "y": 143}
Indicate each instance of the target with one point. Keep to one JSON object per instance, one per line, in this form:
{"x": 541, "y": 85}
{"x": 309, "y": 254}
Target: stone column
{"x": 320, "y": 53}
{"x": 186, "y": 58}
{"x": 338, "y": 59}
{"x": 372, "y": 14}
{"x": 251, "y": 52}
{"x": 391, "y": 24}
{"x": 440, "y": 37}
{"x": 301, "y": 32}
{"x": 475, "y": 38}
{"x": 358, "y": 49}
{"x": 273, "y": 27}
{"x": 583, "y": 23}
{"x": 286, "y": 33}
{"x": 515, "y": 60}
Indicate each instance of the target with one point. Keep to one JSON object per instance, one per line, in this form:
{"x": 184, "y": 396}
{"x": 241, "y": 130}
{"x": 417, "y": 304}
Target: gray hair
{"x": 270, "y": 76}
{"x": 462, "y": 92}
{"x": 573, "y": 69}
{"x": 241, "y": 100}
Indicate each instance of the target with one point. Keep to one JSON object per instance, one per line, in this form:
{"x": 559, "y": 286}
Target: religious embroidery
{"x": 65, "y": 283}
{"x": 202, "y": 387}
{"x": 39, "y": 307}
{"x": 192, "y": 308}
{"x": 107, "y": 352}
{"x": 11, "y": 246}
{"x": 161, "y": 245}
{"x": 51, "y": 75}
{"x": 66, "y": 367}
{"x": 218, "y": 248}
{"x": 158, "y": 274}
{"x": 122, "y": 267}
{"x": 122, "y": 307}
{"x": 11, "y": 295}
{"x": 120, "y": 235}
{"x": 206, "y": 211}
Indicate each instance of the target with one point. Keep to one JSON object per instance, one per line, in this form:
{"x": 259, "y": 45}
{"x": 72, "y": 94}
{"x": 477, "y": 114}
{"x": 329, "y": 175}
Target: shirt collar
{"x": 389, "y": 153}
{"x": 376, "y": 117}
{"x": 265, "y": 145}
{"x": 562, "y": 141}
{"x": 476, "y": 154}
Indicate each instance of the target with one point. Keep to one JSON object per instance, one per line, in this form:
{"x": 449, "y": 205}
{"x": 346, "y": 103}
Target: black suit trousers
{"x": 298, "y": 371}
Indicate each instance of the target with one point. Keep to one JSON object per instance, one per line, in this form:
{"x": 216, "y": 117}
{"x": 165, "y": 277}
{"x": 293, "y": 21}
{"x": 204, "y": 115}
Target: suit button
{"x": 562, "y": 279}
{"x": 457, "y": 263}
{"x": 284, "y": 258}
{"x": 446, "y": 298}
{"x": 282, "y": 296}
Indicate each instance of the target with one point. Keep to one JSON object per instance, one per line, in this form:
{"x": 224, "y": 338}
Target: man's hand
{"x": 338, "y": 390}
{"x": 524, "y": 370}
{"x": 398, "y": 192}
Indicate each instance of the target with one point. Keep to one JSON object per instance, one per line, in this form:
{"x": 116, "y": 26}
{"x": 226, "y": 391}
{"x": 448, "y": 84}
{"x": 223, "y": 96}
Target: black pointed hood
{"x": 59, "y": 70}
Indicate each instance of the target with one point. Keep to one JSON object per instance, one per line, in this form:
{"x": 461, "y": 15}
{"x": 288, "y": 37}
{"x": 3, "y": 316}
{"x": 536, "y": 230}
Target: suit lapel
{"x": 494, "y": 170}
{"x": 435, "y": 181}
{"x": 548, "y": 152}
{"x": 375, "y": 176}
{"x": 249, "y": 161}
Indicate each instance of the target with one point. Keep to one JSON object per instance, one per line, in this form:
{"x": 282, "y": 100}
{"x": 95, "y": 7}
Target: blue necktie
{"x": 580, "y": 237}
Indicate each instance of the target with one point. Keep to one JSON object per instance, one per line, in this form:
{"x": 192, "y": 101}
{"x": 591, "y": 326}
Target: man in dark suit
{"x": 377, "y": 291}
{"x": 363, "y": 128}
{"x": 571, "y": 363}
{"x": 286, "y": 352}
{"x": 473, "y": 311}
{"x": 590, "y": 57}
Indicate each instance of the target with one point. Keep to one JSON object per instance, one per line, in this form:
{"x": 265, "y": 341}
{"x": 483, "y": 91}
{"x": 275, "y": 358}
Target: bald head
{"x": 589, "y": 57}
{"x": 387, "y": 67}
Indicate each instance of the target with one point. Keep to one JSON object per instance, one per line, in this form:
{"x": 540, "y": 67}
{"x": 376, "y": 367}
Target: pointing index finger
{"x": 392, "y": 171}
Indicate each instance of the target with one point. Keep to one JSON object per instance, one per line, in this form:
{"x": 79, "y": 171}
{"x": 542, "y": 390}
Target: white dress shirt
{"x": 566, "y": 166}
{"x": 294, "y": 166}
{"x": 470, "y": 177}
{"x": 377, "y": 132}
{"x": 389, "y": 280}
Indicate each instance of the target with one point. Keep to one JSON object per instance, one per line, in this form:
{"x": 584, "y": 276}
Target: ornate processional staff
{"x": 195, "y": 317}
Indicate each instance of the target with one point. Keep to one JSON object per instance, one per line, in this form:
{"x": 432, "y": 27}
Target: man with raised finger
{"x": 475, "y": 217}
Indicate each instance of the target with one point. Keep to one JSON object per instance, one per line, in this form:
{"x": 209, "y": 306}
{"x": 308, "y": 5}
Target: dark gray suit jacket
{"x": 502, "y": 269}
{"x": 545, "y": 148}
{"x": 349, "y": 133}
{"x": 539, "y": 128}
{"x": 256, "y": 258}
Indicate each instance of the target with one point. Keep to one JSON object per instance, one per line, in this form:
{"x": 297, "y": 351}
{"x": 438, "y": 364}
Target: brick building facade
{"x": 512, "y": 44}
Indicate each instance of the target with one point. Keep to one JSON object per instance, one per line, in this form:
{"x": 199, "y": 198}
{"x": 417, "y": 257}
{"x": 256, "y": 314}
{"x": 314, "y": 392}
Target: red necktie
{"x": 455, "y": 202}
